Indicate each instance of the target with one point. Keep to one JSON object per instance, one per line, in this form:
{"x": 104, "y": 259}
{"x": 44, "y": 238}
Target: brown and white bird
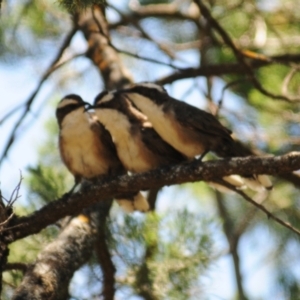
{"x": 138, "y": 145}
{"x": 188, "y": 129}
{"x": 87, "y": 149}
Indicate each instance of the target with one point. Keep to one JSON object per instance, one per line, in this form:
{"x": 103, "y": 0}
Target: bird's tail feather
{"x": 135, "y": 203}
{"x": 234, "y": 180}
{"x": 232, "y": 148}
{"x": 258, "y": 182}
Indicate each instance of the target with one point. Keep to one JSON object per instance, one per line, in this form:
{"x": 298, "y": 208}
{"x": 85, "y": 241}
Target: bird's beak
{"x": 88, "y": 106}
{"x": 122, "y": 91}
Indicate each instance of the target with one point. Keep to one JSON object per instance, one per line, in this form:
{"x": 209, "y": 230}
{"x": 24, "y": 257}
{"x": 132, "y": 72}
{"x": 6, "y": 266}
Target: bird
{"x": 87, "y": 150}
{"x": 190, "y": 130}
{"x": 138, "y": 145}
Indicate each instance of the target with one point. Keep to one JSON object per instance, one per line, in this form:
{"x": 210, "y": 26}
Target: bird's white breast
{"x": 167, "y": 126}
{"x": 79, "y": 145}
{"x": 130, "y": 148}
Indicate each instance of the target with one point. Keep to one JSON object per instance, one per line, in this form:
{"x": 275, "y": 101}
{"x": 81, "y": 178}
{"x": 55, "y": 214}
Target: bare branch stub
{"x": 16, "y": 266}
{"x": 6, "y": 217}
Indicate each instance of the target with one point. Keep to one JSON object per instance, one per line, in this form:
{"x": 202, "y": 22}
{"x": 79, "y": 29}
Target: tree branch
{"x": 49, "y": 276}
{"x": 165, "y": 11}
{"x": 187, "y": 172}
{"x": 261, "y": 207}
{"x": 16, "y": 266}
{"x": 93, "y": 25}
{"x": 225, "y": 69}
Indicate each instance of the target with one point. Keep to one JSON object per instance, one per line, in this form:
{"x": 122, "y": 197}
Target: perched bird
{"x": 188, "y": 129}
{"x": 87, "y": 149}
{"x": 138, "y": 145}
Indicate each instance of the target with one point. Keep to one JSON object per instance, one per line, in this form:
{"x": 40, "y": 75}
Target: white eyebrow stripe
{"x": 151, "y": 86}
{"x": 66, "y": 102}
{"x": 108, "y": 97}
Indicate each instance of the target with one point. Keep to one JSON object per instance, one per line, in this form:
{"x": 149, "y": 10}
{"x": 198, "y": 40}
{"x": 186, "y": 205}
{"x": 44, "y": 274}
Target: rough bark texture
{"x": 94, "y": 26}
{"x": 49, "y": 276}
{"x": 188, "y": 172}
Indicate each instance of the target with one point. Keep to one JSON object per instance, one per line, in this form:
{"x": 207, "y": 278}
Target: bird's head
{"x": 152, "y": 91}
{"x": 69, "y": 104}
{"x": 113, "y": 100}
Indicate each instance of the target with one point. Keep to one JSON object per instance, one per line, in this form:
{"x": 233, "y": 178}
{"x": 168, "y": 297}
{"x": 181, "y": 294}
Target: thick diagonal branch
{"x": 93, "y": 25}
{"x": 49, "y": 276}
{"x": 188, "y": 172}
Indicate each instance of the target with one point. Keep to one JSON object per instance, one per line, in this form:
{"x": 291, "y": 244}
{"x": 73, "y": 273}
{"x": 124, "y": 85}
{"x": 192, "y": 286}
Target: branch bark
{"x": 187, "y": 172}
{"x": 49, "y": 276}
{"x": 226, "y": 68}
{"x": 93, "y": 25}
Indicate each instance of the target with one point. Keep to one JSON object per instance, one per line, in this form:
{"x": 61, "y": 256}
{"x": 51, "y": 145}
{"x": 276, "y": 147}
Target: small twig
{"x": 287, "y": 80}
{"x": 136, "y": 23}
{"x": 11, "y": 112}
{"x": 152, "y": 60}
{"x": 56, "y": 67}
{"x": 15, "y": 194}
{"x": 9, "y": 284}
{"x": 259, "y": 206}
{"x": 8, "y": 208}
{"x": 188, "y": 91}
{"x": 30, "y": 100}
{"x": 227, "y": 86}
{"x": 6, "y": 221}
{"x": 251, "y": 213}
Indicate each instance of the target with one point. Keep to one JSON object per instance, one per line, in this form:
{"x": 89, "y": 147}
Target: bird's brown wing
{"x": 207, "y": 125}
{"x": 197, "y": 119}
{"x": 164, "y": 152}
{"x": 105, "y": 138}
